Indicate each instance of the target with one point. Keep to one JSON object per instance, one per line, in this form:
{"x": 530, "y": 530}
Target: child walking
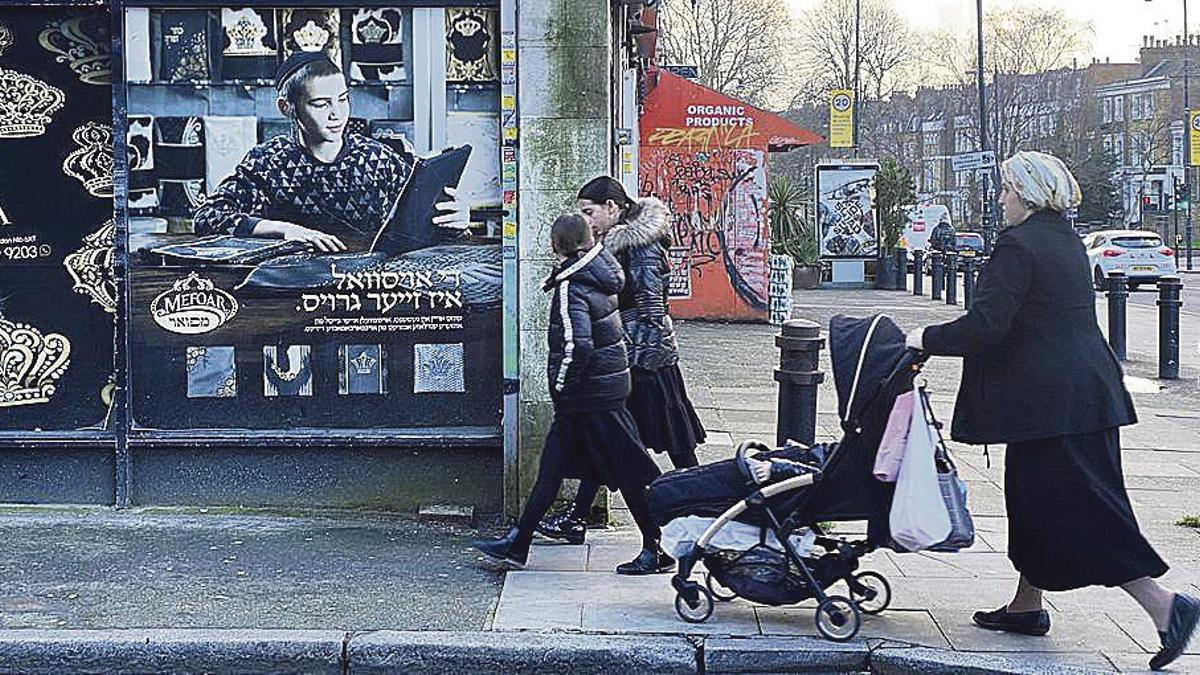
{"x": 592, "y": 436}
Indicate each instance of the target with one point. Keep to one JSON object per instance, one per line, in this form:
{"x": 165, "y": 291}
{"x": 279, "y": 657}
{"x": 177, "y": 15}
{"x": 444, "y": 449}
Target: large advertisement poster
{"x": 57, "y": 293}
{"x": 295, "y": 262}
{"x": 846, "y": 216}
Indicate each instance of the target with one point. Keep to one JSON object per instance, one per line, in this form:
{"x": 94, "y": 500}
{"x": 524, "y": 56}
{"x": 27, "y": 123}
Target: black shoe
{"x": 649, "y": 561}
{"x": 1185, "y": 613}
{"x": 1026, "y": 623}
{"x": 507, "y": 550}
{"x": 563, "y": 526}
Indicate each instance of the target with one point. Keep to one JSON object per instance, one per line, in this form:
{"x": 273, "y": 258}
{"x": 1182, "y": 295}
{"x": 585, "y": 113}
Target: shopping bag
{"x": 954, "y": 493}
{"x": 895, "y": 437}
{"x": 919, "y": 518}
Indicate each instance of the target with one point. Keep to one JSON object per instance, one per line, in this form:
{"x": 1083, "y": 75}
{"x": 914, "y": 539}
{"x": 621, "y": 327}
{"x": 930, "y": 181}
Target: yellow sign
{"x": 1193, "y": 138}
{"x": 841, "y": 118}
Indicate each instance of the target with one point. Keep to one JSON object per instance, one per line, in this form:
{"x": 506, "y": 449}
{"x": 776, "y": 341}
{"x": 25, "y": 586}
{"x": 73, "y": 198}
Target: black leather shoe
{"x": 563, "y": 526}
{"x": 1025, "y": 623}
{"x": 1185, "y": 613}
{"x": 508, "y": 550}
{"x": 649, "y": 561}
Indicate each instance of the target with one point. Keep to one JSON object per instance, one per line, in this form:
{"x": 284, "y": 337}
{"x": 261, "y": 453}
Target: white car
{"x": 1140, "y": 254}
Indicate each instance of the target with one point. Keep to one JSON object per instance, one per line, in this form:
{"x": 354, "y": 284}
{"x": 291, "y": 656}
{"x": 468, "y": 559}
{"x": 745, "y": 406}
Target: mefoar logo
{"x": 193, "y": 306}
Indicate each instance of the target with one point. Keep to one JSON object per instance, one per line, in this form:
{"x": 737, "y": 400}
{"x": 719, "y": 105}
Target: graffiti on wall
{"x": 718, "y": 201}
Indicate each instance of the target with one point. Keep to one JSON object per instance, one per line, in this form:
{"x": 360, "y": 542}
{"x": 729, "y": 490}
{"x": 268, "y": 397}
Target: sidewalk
{"x": 728, "y": 369}
{"x": 94, "y": 590}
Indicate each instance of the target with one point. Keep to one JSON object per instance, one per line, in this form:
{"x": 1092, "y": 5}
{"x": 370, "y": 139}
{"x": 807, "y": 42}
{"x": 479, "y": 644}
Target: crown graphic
{"x": 92, "y": 267}
{"x": 92, "y": 163}
{"x": 246, "y": 35}
{"x": 6, "y": 39}
{"x": 30, "y": 363}
{"x": 468, "y": 25}
{"x": 364, "y": 363}
{"x": 374, "y": 30}
{"x": 26, "y": 104}
{"x": 311, "y": 37}
{"x": 84, "y": 44}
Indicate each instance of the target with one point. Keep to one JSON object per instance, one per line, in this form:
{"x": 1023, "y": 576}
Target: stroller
{"x": 764, "y": 542}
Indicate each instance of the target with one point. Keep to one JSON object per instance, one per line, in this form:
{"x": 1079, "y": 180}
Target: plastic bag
{"x": 919, "y": 518}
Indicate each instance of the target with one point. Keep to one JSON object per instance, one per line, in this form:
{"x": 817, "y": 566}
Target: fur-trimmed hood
{"x": 650, "y": 223}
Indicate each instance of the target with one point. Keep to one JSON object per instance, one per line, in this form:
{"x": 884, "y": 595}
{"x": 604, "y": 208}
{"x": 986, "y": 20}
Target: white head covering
{"x": 1042, "y": 180}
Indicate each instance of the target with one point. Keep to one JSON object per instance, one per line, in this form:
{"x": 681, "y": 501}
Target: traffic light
{"x": 1181, "y": 195}
{"x": 1168, "y": 201}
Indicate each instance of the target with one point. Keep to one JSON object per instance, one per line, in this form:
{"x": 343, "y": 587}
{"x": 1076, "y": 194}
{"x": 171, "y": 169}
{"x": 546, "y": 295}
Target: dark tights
{"x": 546, "y": 489}
{"x": 588, "y": 489}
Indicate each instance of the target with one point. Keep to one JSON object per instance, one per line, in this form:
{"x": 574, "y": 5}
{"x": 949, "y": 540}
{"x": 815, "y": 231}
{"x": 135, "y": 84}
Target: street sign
{"x": 841, "y": 118}
{"x": 1193, "y": 138}
{"x": 970, "y": 161}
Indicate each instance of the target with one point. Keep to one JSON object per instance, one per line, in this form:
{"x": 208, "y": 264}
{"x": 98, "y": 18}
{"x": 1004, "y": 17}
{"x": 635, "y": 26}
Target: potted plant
{"x": 894, "y": 189}
{"x": 791, "y": 233}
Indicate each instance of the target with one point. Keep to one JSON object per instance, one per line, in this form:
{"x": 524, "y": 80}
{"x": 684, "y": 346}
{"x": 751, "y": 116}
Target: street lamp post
{"x": 1187, "y": 107}
{"x": 986, "y": 214}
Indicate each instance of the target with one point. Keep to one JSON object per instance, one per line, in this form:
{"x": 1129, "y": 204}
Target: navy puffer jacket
{"x": 640, "y": 244}
{"x": 587, "y": 367}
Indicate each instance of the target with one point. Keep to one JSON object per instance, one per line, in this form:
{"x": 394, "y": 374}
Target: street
{"x": 1148, "y": 295}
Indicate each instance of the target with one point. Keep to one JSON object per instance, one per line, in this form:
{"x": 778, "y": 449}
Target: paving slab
{"x": 912, "y": 626}
{"x": 728, "y": 618}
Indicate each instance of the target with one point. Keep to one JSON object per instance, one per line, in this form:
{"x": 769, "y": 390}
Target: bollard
{"x": 1118, "y": 291}
{"x": 968, "y": 281}
{"x": 918, "y": 273}
{"x": 951, "y": 278}
{"x": 936, "y": 274}
{"x": 901, "y": 269}
{"x": 1169, "y": 302}
{"x": 798, "y": 375}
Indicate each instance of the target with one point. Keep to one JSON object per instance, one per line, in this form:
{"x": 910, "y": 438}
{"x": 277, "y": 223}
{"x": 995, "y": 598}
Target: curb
{"x": 171, "y": 650}
{"x": 480, "y": 652}
{"x": 336, "y": 652}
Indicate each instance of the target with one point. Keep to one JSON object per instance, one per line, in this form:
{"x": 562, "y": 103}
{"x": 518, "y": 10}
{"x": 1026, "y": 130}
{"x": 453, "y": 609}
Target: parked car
{"x": 1140, "y": 254}
{"x": 968, "y": 244}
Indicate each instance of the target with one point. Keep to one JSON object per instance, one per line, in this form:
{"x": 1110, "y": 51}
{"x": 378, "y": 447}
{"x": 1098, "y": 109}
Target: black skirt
{"x": 600, "y": 446}
{"x": 665, "y": 418}
{"x": 1070, "y": 523}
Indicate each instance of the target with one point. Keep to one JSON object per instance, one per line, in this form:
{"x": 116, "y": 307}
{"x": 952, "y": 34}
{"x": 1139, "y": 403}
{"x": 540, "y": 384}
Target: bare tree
{"x": 739, "y": 47}
{"x": 825, "y": 39}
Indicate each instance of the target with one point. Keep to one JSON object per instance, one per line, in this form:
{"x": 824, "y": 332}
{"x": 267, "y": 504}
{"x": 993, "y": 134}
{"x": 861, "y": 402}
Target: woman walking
{"x": 1039, "y": 376}
{"x": 637, "y": 233}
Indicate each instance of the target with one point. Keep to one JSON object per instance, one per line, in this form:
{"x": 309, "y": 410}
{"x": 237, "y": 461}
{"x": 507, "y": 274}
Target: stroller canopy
{"x": 864, "y": 352}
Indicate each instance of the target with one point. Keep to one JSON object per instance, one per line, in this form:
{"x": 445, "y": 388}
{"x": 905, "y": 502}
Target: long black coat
{"x": 588, "y": 368}
{"x": 1035, "y": 364}
{"x": 640, "y": 244}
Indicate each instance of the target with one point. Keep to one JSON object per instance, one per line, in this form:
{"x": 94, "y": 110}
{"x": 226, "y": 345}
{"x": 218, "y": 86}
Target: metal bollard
{"x": 936, "y": 274}
{"x": 901, "y": 269}
{"x": 1169, "y": 302}
{"x": 918, "y": 273}
{"x": 798, "y": 375}
{"x": 951, "y": 278}
{"x": 1118, "y": 291}
{"x": 968, "y": 281}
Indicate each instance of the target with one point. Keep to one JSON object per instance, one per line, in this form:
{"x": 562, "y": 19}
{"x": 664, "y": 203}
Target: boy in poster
{"x": 318, "y": 185}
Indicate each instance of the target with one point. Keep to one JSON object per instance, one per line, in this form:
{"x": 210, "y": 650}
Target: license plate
{"x": 1144, "y": 268}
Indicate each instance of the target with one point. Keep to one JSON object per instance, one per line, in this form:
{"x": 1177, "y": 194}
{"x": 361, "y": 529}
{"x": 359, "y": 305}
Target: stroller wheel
{"x": 718, "y": 590}
{"x": 871, "y": 592}
{"x": 697, "y": 612}
{"x": 838, "y": 618}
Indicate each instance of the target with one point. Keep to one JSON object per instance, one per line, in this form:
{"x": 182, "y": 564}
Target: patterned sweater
{"x": 279, "y": 180}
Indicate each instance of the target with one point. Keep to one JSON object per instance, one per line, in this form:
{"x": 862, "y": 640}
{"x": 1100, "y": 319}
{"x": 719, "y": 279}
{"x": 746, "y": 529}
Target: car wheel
{"x": 1133, "y": 285}
{"x": 1098, "y": 278}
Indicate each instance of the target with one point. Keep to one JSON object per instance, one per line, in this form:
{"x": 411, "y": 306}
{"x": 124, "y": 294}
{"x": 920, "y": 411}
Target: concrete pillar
{"x": 563, "y": 101}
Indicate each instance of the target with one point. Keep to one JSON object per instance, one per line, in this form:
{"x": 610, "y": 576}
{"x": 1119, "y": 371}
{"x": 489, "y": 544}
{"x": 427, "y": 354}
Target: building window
{"x": 1107, "y": 114}
{"x": 1119, "y": 148}
{"x": 1148, "y": 106}
{"x": 1108, "y": 143}
{"x": 1135, "y": 107}
{"x": 1118, "y": 108}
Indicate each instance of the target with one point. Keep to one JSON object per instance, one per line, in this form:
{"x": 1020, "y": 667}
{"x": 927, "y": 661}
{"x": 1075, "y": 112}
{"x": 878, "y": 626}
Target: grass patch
{"x": 1189, "y": 521}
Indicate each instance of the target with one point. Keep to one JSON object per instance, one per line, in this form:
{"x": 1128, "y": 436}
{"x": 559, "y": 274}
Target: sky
{"x": 1119, "y": 24}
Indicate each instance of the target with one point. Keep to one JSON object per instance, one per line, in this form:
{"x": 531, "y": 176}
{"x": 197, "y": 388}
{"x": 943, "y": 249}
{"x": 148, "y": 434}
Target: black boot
{"x": 563, "y": 526}
{"x": 511, "y": 550}
{"x": 649, "y": 561}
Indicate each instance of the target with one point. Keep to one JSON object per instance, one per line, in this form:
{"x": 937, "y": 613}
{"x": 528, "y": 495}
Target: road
{"x": 1147, "y": 295}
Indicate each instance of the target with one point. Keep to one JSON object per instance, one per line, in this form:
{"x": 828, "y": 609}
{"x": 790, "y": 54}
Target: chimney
{"x": 1106, "y": 59}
